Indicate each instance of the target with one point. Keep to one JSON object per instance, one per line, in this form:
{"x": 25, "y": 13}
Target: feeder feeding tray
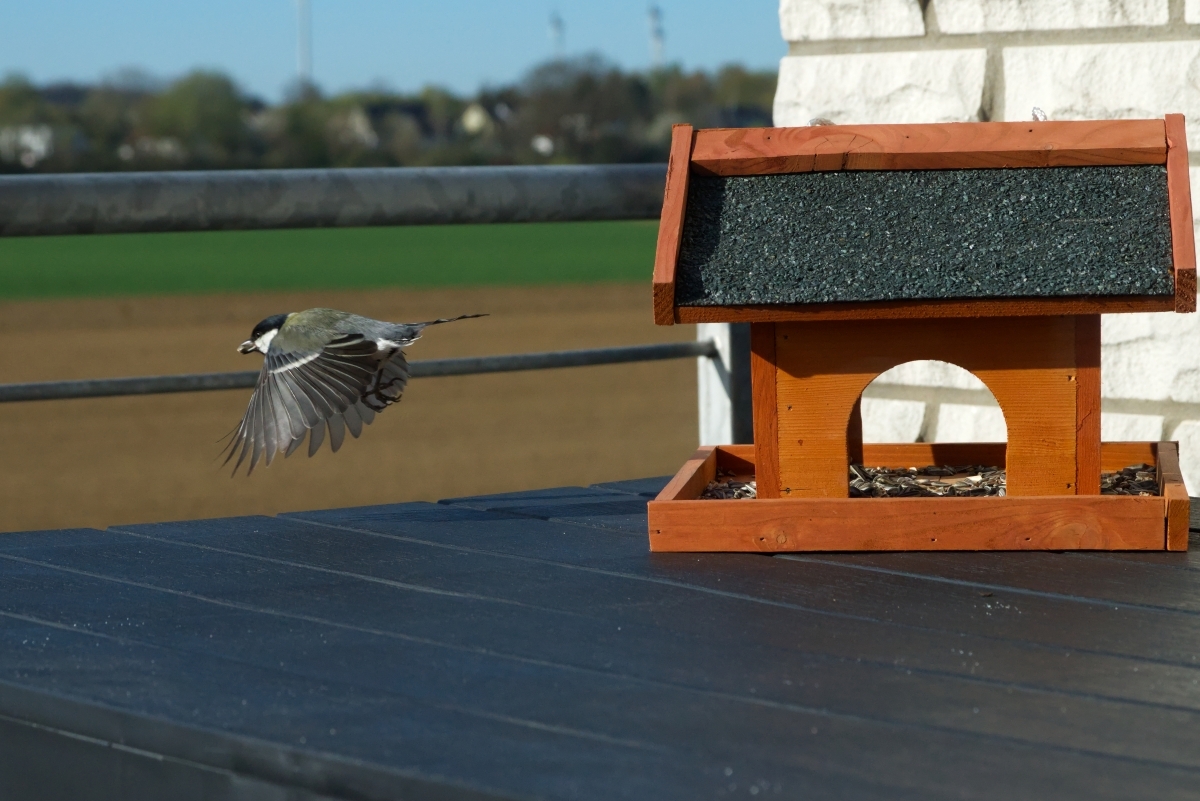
{"x": 993, "y": 246}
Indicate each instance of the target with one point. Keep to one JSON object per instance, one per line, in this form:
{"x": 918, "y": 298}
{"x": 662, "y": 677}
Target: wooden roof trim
{"x": 932, "y": 146}
{"x": 670, "y": 228}
{"x": 1179, "y": 194}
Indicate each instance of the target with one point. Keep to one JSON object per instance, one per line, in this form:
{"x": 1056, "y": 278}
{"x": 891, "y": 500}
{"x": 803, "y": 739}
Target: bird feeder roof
{"x": 959, "y": 219}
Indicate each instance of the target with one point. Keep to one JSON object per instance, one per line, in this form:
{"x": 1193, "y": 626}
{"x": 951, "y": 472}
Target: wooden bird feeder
{"x": 993, "y": 246}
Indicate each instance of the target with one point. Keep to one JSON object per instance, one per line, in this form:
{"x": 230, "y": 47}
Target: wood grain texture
{"x": 1185, "y": 291}
{"x": 1113, "y": 455}
{"x": 921, "y": 454}
{"x": 736, "y": 459}
{"x": 693, "y": 477}
{"x": 1087, "y": 404}
{"x": 765, "y": 407}
{"x": 923, "y": 309}
{"x": 670, "y": 227}
{"x": 934, "y": 146}
{"x": 823, "y": 367}
{"x": 854, "y": 434}
{"x": 1179, "y": 193}
{"x": 1065, "y": 522}
{"x": 1116, "y": 456}
{"x": 1178, "y": 505}
{"x": 1178, "y": 509}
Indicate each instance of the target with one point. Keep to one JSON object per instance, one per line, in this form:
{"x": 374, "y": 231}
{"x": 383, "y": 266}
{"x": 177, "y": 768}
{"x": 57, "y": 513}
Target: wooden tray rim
{"x": 1008, "y": 523}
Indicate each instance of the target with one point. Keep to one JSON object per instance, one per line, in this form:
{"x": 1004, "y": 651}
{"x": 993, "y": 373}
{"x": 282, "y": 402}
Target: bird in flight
{"x": 324, "y": 369}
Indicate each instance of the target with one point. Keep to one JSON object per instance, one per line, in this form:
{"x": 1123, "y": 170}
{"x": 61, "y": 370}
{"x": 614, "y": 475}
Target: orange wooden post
{"x": 822, "y": 369}
{"x": 766, "y": 417}
{"x": 1179, "y": 192}
{"x": 1087, "y": 404}
{"x": 1175, "y": 494}
{"x": 854, "y": 434}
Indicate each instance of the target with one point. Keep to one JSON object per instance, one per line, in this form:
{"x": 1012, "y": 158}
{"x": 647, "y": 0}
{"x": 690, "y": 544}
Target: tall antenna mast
{"x": 304, "y": 41}
{"x": 656, "y": 35}
{"x": 558, "y": 33}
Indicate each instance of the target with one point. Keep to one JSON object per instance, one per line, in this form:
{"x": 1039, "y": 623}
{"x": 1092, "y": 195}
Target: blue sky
{"x": 460, "y": 44}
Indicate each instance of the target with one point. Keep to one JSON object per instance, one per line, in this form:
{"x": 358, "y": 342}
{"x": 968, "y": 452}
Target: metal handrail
{"x": 473, "y": 365}
{"x": 93, "y": 203}
{"x": 97, "y": 203}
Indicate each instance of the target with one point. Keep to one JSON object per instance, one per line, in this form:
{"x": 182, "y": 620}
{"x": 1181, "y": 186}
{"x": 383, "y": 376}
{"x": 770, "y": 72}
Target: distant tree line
{"x": 569, "y": 111}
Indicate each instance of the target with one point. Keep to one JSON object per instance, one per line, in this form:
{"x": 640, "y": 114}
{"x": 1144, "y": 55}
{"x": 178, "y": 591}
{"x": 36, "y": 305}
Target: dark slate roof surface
{"x": 824, "y": 237}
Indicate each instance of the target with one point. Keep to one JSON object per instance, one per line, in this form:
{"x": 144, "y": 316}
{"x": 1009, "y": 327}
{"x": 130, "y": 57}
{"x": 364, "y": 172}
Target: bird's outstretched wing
{"x": 339, "y": 387}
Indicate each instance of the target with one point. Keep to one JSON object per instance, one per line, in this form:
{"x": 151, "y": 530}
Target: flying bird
{"x": 323, "y": 369}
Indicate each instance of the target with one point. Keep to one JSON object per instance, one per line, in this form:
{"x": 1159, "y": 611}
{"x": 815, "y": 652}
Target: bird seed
{"x": 938, "y": 481}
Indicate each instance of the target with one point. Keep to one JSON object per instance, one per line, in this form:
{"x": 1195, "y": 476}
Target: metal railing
{"x": 105, "y": 203}
{"x": 474, "y": 365}
{"x": 35, "y": 205}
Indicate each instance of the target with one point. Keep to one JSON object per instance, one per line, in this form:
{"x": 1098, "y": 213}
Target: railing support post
{"x": 723, "y": 383}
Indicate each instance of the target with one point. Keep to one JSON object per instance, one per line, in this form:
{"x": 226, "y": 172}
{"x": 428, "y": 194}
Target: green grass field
{"x": 343, "y": 258}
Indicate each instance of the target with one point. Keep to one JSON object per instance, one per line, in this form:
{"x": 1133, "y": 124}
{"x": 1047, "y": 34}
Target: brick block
{"x": 958, "y": 422}
{"x": 1110, "y": 81}
{"x": 1188, "y": 436}
{"x": 1161, "y": 364}
{"x": 1118, "y": 427}
{"x": 928, "y": 373}
{"x": 1185, "y": 388}
{"x": 805, "y": 20}
{"x": 929, "y": 86}
{"x": 1194, "y": 179}
{"x": 979, "y": 16}
{"x": 887, "y": 420}
{"x": 1117, "y": 328}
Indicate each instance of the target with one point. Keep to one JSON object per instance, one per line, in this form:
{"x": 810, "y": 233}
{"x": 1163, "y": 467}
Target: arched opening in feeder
{"x": 935, "y": 402}
{"x": 930, "y": 401}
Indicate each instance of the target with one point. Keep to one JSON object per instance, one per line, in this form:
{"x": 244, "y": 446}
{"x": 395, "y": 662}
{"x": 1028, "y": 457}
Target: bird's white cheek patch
{"x": 264, "y": 342}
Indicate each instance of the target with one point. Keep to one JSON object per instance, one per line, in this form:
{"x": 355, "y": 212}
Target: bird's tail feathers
{"x": 441, "y": 320}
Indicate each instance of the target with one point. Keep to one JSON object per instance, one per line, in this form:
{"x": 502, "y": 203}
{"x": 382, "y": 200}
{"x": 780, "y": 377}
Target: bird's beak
{"x": 247, "y": 347}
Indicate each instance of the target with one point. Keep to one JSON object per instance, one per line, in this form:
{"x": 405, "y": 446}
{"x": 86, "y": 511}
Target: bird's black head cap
{"x": 272, "y": 323}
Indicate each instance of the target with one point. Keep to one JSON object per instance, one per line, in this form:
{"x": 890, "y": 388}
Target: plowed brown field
{"x": 123, "y": 460}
